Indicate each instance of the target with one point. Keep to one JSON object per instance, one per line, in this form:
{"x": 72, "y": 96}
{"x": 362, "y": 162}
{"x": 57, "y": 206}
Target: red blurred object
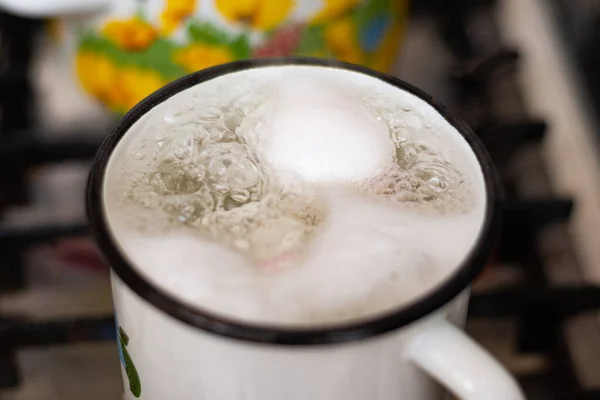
{"x": 284, "y": 42}
{"x": 490, "y": 264}
{"x": 79, "y": 253}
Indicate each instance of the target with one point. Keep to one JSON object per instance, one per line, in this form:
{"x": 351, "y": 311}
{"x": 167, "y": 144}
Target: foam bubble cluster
{"x": 354, "y": 147}
{"x": 311, "y": 177}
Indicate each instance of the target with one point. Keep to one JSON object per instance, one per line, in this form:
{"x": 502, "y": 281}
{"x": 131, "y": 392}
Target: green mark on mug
{"x": 132, "y": 375}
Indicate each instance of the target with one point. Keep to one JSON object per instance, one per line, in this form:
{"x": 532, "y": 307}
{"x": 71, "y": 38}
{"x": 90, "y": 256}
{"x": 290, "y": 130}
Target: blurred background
{"x": 523, "y": 73}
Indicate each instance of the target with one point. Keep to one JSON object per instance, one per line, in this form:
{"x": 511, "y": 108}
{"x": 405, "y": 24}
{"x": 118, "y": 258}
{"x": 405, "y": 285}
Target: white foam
{"x": 369, "y": 258}
{"x": 368, "y": 253}
{"x": 354, "y": 147}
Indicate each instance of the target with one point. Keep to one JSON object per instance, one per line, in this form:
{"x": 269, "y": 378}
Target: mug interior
{"x": 217, "y": 324}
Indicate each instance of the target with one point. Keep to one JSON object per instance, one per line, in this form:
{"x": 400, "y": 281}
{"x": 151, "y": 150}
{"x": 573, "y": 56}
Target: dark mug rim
{"x": 227, "y": 327}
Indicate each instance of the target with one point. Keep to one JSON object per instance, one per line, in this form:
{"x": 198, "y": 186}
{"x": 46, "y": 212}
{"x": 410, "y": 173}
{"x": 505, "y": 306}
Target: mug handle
{"x": 461, "y": 365}
{"x": 50, "y": 8}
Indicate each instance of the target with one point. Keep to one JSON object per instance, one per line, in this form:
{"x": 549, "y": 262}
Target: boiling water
{"x": 294, "y": 195}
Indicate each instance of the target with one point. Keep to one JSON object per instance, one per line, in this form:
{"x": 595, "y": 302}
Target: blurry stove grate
{"x": 479, "y": 85}
{"x": 585, "y": 395}
{"x": 522, "y": 222}
{"x": 34, "y": 151}
{"x": 451, "y": 18}
{"x": 579, "y": 24}
{"x": 21, "y": 148}
{"x": 19, "y": 237}
{"x": 14, "y": 243}
{"x": 490, "y": 96}
{"x": 16, "y": 47}
{"x": 565, "y": 302}
{"x": 475, "y": 71}
{"x": 503, "y": 142}
{"x": 539, "y": 312}
{"x": 18, "y": 333}
{"x": 472, "y": 76}
{"x": 539, "y": 308}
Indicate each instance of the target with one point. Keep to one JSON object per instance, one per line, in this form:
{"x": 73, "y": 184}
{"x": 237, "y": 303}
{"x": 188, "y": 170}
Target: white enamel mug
{"x": 171, "y": 350}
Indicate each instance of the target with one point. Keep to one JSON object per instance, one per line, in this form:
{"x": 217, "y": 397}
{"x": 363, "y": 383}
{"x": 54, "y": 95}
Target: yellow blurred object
{"x": 180, "y": 8}
{"x": 175, "y": 12}
{"x": 341, "y": 37}
{"x": 135, "y": 84}
{"x": 130, "y": 34}
{"x": 334, "y": 9}
{"x": 168, "y": 23}
{"x": 118, "y": 88}
{"x": 121, "y": 58}
{"x": 96, "y": 73}
{"x": 259, "y": 14}
{"x": 199, "y": 56}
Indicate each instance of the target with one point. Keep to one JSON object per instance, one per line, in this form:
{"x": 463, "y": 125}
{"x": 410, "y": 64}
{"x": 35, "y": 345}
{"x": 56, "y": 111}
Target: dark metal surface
{"x": 16, "y": 241}
{"x": 513, "y": 301}
{"x": 16, "y": 47}
{"x": 523, "y": 221}
{"x": 29, "y": 150}
{"x": 20, "y": 332}
{"x": 24, "y": 236}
